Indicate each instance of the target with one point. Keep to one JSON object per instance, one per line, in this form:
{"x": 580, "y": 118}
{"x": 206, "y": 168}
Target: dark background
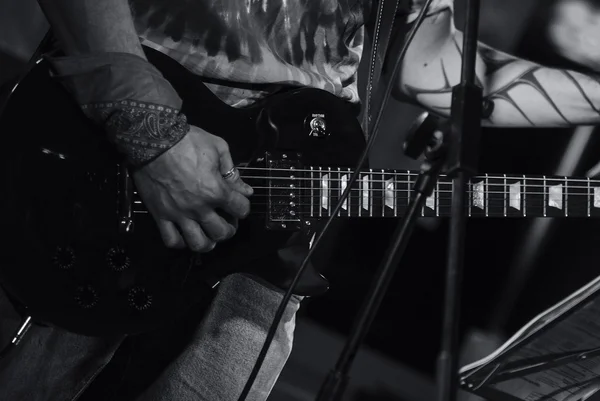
{"x": 407, "y": 331}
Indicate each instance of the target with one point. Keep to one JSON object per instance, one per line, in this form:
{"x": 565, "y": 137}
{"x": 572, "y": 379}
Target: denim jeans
{"x": 54, "y": 365}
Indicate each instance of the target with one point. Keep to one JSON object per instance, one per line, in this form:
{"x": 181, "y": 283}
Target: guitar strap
{"x": 375, "y": 89}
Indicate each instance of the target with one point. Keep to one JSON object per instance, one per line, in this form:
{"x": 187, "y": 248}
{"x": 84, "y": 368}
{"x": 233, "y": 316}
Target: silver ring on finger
{"x": 230, "y": 174}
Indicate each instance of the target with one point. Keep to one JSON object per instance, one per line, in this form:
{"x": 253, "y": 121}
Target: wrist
{"x": 129, "y": 97}
{"x": 141, "y": 131}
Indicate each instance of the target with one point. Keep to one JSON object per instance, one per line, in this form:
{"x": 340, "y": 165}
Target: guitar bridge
{"x": 284, "y": 188}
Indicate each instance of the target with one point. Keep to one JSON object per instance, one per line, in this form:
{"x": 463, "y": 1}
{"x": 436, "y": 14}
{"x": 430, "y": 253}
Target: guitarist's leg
{"x": 217, "y": 362}
{"x": 49, "y": 364}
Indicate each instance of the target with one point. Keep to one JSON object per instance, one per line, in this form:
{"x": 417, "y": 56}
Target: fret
{"x": 487, "y": 196}
{"x": 555, "y": 197}
{"x": 359, "y": 197}
{"x": 545, "y": 204}
{"x": 312, "y": 191}
{"x": 534, "y": 199}
{"x": 409, "y": 190}
{"x": 478, "y": 197}
{"x": 566, "y": 208}
{"x": 496, "y": 196}
{"x": 469, "y": 196}
{"x": 578, "y": 204}
{"x": 397, "y": 193}
{"x": 589, "y": 203}
{"x": 524, "y": 196}
{"x": 377, "y": 193}
{"x": 505, "y": 196}
{"x": 437, "y": 203}
{"x": 390, "y": 208}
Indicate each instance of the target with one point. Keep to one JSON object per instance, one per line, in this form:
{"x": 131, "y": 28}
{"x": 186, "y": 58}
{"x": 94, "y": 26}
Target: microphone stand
{"x": 460, "y": 157}
{"x": 465, "y": 134}
{"x": 424, "y": 138}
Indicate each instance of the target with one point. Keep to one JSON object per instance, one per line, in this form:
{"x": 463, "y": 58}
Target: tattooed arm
{"x": 85, "y": 27}
{"x": 525, "y": 94}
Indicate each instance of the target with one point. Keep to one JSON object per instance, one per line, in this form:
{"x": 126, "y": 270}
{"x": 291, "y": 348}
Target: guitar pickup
{"x": 284, "y": 188}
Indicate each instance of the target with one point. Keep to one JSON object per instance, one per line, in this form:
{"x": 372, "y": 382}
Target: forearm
{"x": 524, "y": 93}
{"x": 107, "y": 73}
{"x": 528, "y": 94}
{"x": 92, "y": 26}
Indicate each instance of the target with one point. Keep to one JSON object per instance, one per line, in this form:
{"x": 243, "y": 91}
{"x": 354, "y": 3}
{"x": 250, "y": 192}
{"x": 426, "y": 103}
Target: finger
{"x": 228, "y": 170}
{"x": 236, "y": 204}
{"x": 194, "y": 237}
{"x": 233, "y": 221}
{"x": 215, "y": 226}
{"x": 233, "y": 178}
{"x": 169, "y": 234}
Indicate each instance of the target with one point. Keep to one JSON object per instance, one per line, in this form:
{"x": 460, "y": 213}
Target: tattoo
{"x": 495, "y": 61}
{"x": 459, "y": 50}
{"x": 582, "y": 91}
{"x": 413, "y": 92}
{"x": 141, "y": 131}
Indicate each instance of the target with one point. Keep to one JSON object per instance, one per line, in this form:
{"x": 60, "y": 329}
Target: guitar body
{"x": 81, "y": 253}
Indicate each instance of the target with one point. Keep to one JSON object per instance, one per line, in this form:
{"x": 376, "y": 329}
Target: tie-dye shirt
{"x": 246, "y": 49}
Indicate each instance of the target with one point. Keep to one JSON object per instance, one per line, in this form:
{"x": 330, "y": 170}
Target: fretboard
{"x": 385, "y": 193}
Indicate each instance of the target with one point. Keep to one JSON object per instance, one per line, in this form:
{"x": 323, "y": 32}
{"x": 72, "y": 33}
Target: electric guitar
{"x": 81, "y": 252}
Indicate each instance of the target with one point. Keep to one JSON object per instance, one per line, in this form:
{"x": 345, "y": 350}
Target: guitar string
{"x": 414, "y": 174}
{"x": 440, "y": 191}
{"x": 543, "y": 189}
{"x": 426, "y": 212}
{"x": 439, "y": 202}
{"x": 559, "y": 182}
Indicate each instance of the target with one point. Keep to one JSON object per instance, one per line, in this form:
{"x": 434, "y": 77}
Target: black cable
{"x": 374, "y": 132}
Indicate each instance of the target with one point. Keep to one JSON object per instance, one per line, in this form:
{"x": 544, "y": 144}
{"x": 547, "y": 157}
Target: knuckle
{"x": 222, "y": 143}
{"x": 213, "y": 191}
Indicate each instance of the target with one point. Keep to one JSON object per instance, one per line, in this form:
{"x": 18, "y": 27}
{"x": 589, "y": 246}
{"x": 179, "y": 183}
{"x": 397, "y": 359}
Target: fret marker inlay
{"x": 344, "y": 185}
{"x": 479, "y": 195}
{"x": 430, "y": 201}
{"x": 515, "y": 196}
{"x": 366, "y": 195}
{"x": 325, "y": 192}
{"x": 389, "y": 194}
{"x": 597, "y": 197}
{"x": 555, "y": 196}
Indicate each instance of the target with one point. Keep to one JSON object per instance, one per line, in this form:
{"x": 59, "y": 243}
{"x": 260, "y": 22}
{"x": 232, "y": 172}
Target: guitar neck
{"x": 386, "y": 193}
